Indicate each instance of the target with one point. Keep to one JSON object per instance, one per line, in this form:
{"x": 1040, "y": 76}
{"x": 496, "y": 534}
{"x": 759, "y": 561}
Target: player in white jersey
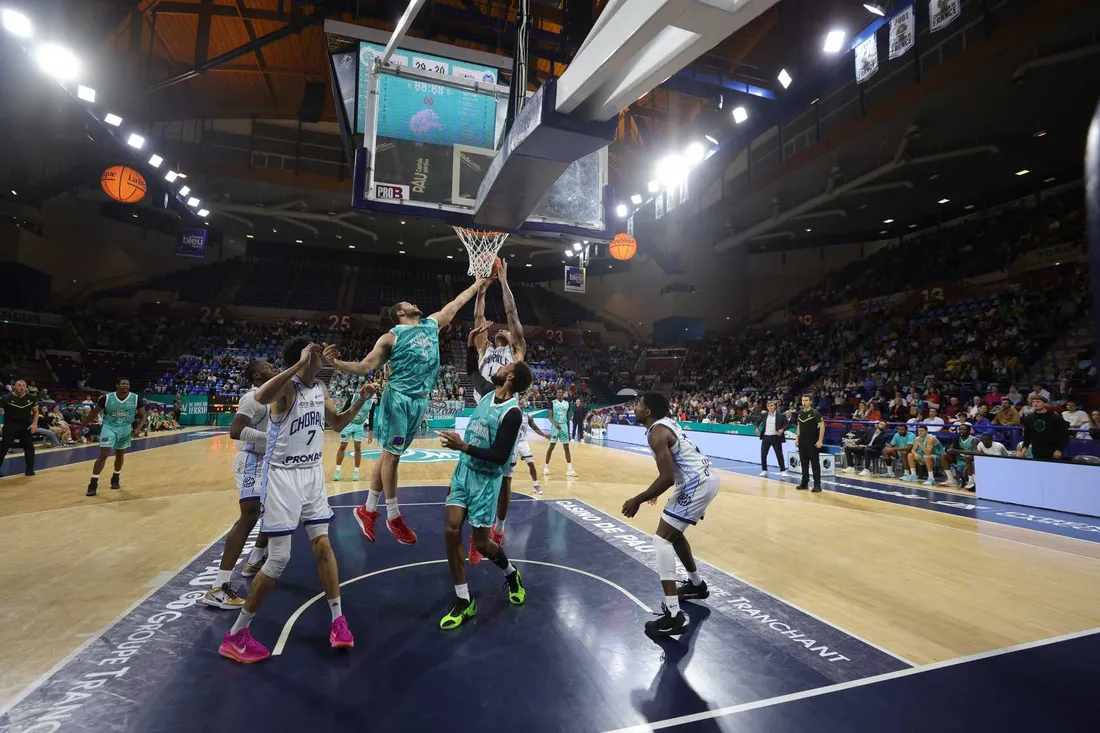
{"x": 292, "y": 489}
{"x": 684, "y": 469}
{"x": 508, "y": 347}
{"x": 249, "y": 429}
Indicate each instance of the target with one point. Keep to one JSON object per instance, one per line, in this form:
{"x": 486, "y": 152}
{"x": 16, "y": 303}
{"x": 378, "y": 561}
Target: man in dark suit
{"x": 770, "y": 427}
{"x": 868, "y": 448}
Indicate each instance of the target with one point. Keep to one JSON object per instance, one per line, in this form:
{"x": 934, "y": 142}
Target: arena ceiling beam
{"x": 226, "y": 11}
{"x": 261, "y": 62}
{"x": 297, "y": 26}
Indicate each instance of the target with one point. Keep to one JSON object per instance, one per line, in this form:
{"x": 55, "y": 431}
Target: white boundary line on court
{"x": 739, "y": 579}
{"x": 96, "y": 635}
{"x": 411, "y": 503}
{"x": 284, "y": 635}
{"x": 829, "y": 689}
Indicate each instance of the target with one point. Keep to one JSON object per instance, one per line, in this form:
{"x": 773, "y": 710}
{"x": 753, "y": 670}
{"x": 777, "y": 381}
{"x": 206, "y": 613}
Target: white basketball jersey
{"x": 493, "y": 359}
{"x": 257, "y": 418}
{"x": 691, "y": 465}
{"x": 522, "y": 438}
{"x": 295, "y": 438}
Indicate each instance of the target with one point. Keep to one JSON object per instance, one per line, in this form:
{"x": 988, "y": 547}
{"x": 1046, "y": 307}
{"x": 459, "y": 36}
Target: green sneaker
{"x": 517, "y": 594}
{"x": 336, "y": 476}
{"x": 460, "y": 611}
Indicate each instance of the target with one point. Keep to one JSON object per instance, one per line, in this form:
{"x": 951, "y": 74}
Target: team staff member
{"x": 770, "y": 429}
{"x": 20, "y": 423}
{"x": 809, "y": 436}
{"x": 1045, "y": 432}
{"x": 580, "y": 411}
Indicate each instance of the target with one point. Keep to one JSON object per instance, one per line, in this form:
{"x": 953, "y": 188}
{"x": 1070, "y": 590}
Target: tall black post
{"x": 1092, "y": 200}
{"x": 517, "y": 93}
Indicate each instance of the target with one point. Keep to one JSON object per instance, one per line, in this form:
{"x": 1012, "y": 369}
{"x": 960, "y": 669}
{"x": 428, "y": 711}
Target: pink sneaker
{"x": 340, "y": 637}
{"x": 241, "y": 647}
{"x": 497, "y": 537}
{"x": 366, "y": 521}
{"x": 401, "y": 530}
{"x": 475, "y": 556}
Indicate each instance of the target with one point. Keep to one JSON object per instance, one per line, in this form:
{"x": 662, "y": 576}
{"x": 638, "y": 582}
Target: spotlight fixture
{"x": 136, "y": 141}
{"x": 86, "y": 94}
{"x": 653, "y": 186}
{"x": 834, "y": 41}
{"x": 784, "y": 78}
{"x": 156, "y": 160}
{"x": 185, "y": 190}
{"x": 112, "y": 119}
{"x": 1022, "y": 172}
{"x": 16, "y": 23}
{"x": 875, "y": 9}
{"x": 740, "y": 115}
{"x": 57, "y": 61}
{"x": 943, "y": 201}
{"x": 621, "y": 211}
{"x": 192, "y": 202}
{"x": 171, "y": 176}
{"x": 204, "y": 213}
{"x": 636, "y": 199}
{"x": 695, "y": 152}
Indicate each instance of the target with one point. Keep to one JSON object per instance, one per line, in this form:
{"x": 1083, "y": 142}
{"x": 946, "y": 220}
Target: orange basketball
{"x": 623, "y": 246}
{"x": 123, "y": 184}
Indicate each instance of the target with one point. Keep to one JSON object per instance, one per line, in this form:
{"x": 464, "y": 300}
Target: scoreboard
{"x": 414, "y": 110}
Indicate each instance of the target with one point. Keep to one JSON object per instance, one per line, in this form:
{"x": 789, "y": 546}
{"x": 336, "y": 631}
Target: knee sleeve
{"x": 316, "y": 530}
{"x": 666, "y": 558}
{"x": 278, "y": 555}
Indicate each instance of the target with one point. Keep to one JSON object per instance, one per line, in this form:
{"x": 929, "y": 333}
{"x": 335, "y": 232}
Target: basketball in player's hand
{"x": 498, "y": 265}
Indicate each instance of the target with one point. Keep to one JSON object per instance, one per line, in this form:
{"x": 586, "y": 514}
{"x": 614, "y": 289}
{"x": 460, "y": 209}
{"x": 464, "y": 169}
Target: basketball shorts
{"x": 688, "y": 504}
{"x": 291, "y": 496}
{"x": 476, "y": 493}
{"x": 398, "y": 417}
{"x": 523, "y": 452}
{"x": 559, "y": 435}
{"x": 116, "y": 437}
{"x": 246, "y": 472}
{"x": 351, "y": 434}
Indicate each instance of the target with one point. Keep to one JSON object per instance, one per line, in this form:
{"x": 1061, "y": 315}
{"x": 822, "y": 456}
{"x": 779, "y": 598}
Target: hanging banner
{"x": 659, "y": 205}
{"x": 684, "y": 191}
{"x": 671, "y": 199}
{"x": 942, "y": 13}
{"x": 574, "y": 279}
{"x": 191, "y": 243}
{"x": 630, "y": 226}
{"x": 903, "y": 30}
{"x": 866, "y": 58}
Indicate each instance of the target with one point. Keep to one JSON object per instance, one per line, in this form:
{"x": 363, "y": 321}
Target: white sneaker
{"x": 571, "y": 472}
{"x": 929, "y": 482}
{"x": 785, "y": 473}
{"x": 538, "y": 489}
{"x": 865, "y": 472}
{"x": 546, "y": 470}
{"x": 355, "y": 475}
{"x": 850, "y": 469}
{"x": 763, "y": 473}
{"x": 224, "y": 598}
{"x": 969, "y": 482}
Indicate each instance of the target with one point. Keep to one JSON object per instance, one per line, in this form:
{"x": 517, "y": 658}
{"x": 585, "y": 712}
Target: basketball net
{"x": 482, "y": 248}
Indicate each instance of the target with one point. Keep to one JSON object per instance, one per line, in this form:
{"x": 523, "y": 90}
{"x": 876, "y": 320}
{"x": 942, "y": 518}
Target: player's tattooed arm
{"x": 447, "y": 313}
{"x": 378, "y": 356}
{"x": 659, "y": 443}
{"x": 519, "y": 344}
{"x": 481, "y": 340}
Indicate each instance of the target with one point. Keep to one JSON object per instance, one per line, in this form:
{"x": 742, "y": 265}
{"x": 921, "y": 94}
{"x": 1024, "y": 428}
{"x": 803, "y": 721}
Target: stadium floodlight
{"x": 672, "y": 170}
{"x": 156, "y": 160}
{"x": 577, "y": 246}
{"x": 834, "y": 41}
{"x": 297, "y": 241}
{"x": 636, "y": 199}
{"x": 887, "y": 221}
{"x": 876, "y": 9}
{"x": 653, "y": 187}
{"x": 711, "y": 139}
{"x": 185, "y": 190}
{"x": 968, "y": 207}
{"x": 943, "y": 201}
{"x": 568, "y": 253}
{"x": 85, "y": 93}
{"x": 695, "y": 153}
{"x": 784, "y": 78}
{"x": 204, "y": 213}
{"x": 182, "y": 175}
{"x": 192, "y": 202}
{"x": 621, "y": 211}
{"x": 249, "y": 236}
{"x": 16, "y": 23}
{"x": 171, "y": 176}
{"x": 1022, "y": 172}
{"x": 136, "y": 141}
{"x": 808, "y": 230}
{"x": 112, "y": 119}
{"x": 57, "y": 61}
{"x": 740, "y": 115}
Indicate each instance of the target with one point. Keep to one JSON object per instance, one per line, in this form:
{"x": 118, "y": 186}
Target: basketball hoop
{"x": 482, "y": 247}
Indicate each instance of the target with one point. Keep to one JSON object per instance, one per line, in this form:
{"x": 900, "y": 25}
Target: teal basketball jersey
{"x": 120, "y": 413}
{"x": 361, "y": 416}
{"x": 414, "y": 358}
{"x": 561, "y": 411}
{"x": 482, "y": 432}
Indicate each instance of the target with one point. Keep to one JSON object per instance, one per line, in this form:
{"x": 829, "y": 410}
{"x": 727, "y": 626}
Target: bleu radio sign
{"x": 191, "y": 243}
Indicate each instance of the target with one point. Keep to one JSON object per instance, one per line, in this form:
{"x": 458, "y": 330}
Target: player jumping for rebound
{"x": 685, "y": 470}
{"x": 353, "y": 434}
{"x": 508, "y": 347}
{"x": 560, "y": 410}
{"x": 487, "y": 449}
{"x": 412, "y": 350}
{"x": 249, "y": 428}
{"x": 120, "y": 408}
{"x": 292, "y": 487}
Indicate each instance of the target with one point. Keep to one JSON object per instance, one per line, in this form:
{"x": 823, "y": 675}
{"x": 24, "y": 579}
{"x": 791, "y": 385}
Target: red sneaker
{"x": 497, "y": 537}
{"x": 400, "y": 530}
{"x": 475, "y": 556}
{"x": 366, "y": 521}
{"x": 340, "y": 636}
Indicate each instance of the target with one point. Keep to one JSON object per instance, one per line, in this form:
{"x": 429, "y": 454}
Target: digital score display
{"x": 414, "y": 110}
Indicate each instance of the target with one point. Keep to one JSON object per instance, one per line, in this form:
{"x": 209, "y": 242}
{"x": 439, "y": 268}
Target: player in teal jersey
{"x": 561, "y": 412}
{"x": 962, "y": 456}
{"x": 353, "y": 434}
{"x": 120, "y": 409}
{"x": 487, "y": 449}
{"x": 412, "y": 350}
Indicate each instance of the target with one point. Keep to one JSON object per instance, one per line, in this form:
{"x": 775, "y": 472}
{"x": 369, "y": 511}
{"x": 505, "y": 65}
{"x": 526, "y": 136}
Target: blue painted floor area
{"x": 960, "y": 505}
{"x": 573, "y": 658}
{"x": 15, "y": 465}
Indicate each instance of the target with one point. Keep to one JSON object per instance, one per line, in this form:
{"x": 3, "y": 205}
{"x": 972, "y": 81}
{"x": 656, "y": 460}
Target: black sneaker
{"x": 517, "y": 594}
{"x": 93, "y": 486}
{"x": 115, "y": 481}
{"x": 29, "y": 473}
{"x": 688, "y": 591}
{"x": 802, "y": 487}
{"x": 666, "y": 624}
{"x": 815, "y": 490}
